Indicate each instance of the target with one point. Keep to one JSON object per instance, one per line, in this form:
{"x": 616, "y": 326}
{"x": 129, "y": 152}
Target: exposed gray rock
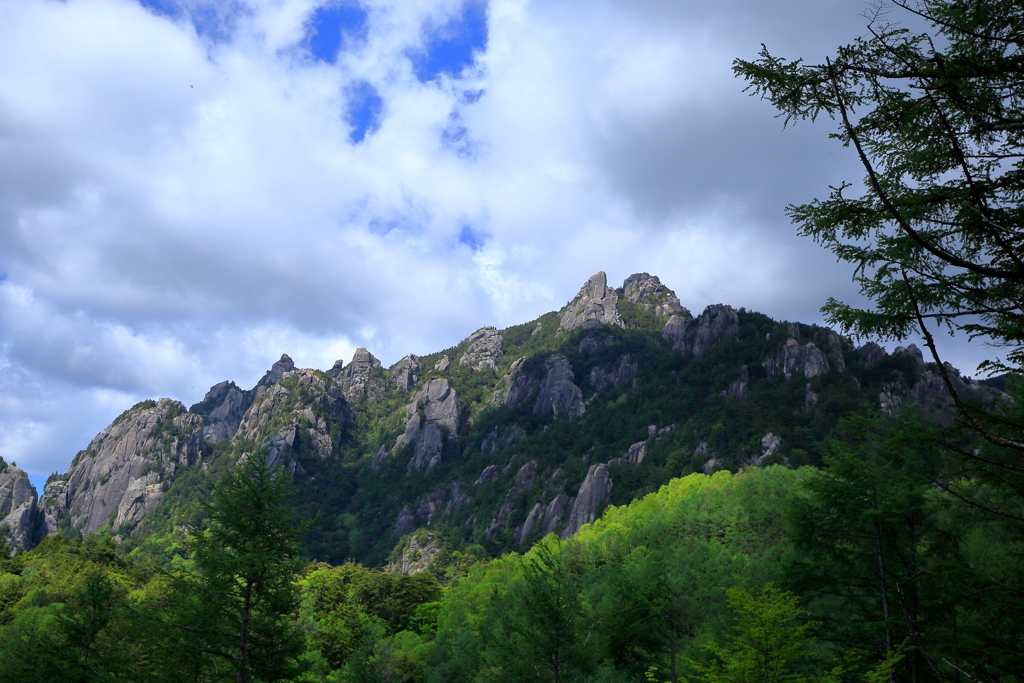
{"x": 769, "y": 445}
{"x": 17, "y": 507}
{"x": 310, "y": 420}
{"x": 484, "y": 349}
{"x": 554, "y": 514}
{"x": 118, "y": 478}
{"x": 795, "y": 358}
{"x": 442, "y": 365}
{"x": 634, "y": 456}
{"x": 276, "y": 371}
{"x": 613, "y": 374}
{"x": 421, "y": 549}
{"x": 739, "y": 388}
{"x": 361, "y": 377}
{"x": 524, "y": 480}
{"x": 557, "y": 392}
{"x": 489, "y": 474}
{"x": 378, "y": 458}
{"x": 440, "y": 407}
{"x": 718, "y": 323}
{"x": 594, "y": 494}
{"x": 834, "y": 342}
{"x": 535, "y": 515}
{"x": 406, "y": 372}
{"x": 405, "y": 523}
{"x": 596, "y": 304}
{"x": 647, "y": 291}
{"x": 222, "y": 422}
{"x": 498, "y": 440}
{"x": 810, "y": 399}
{"x": 594, "y": 340}
{"x": 871, "y": 353}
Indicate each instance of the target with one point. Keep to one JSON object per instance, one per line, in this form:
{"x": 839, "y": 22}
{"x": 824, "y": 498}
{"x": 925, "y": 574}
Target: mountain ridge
{"x": 507, "y": 436}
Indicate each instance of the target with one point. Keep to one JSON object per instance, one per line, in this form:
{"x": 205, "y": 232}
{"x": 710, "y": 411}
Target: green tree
{"x": 238, "y": 606}
{"x": 937, "y": 121}
{"x": 541, "y": 629}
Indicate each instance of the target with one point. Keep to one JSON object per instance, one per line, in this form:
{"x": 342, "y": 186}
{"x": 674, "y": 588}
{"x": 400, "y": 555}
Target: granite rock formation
{"x": 361, "y": 378}
{"x": 224, "y": 406}
{"x": 596, "y": 304}
{"x": 434, "y": 406}
{"x": 484, "y": 349}
{"x": 119, "y": 477}
{"x": 692, "y": 338}
{"x": 558, "y": 394}
{"x": 795, "y": 358}
{"x": 17, "y": 507}
{"x": 406, "y": 372}
{"x": 647, "y": 291}
{"x": 594, "y": 494}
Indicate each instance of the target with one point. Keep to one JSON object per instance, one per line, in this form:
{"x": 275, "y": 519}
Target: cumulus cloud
{"x": 190, "y": 188}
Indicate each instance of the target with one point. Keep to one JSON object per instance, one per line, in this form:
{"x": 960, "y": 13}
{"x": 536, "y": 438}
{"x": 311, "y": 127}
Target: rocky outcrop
{"x": 692, "y": 338}
{"x": 120, "y": 476}
{"x": 17, "y": 507}
{"x": 434, "y": 406}
{"x": 613, "y": 374}
{"x": 524, "y": 480}
{"x": 484, "y": 349}
{"x": 545, "y": 518}
{"x": 406, "y": 372}
{"x": 309, "y": 404}
{"x": 442, "y": 365}
{"x": 634, "y": 456}
{"x": 594, "y": 493}
{"x": 276, "y": 371}
{"x": 222, "y": 409}
{"x": 521, "y": 386}
{"x": 361, "y": 378}
{"x": 596, "y": 304}
{"x": 740, "y": 386}
{"x": 420, "y": 550}
{"x": 647, "y": 291}
{"x": 871, "y": 353}
{"x": 557, "y": 394}
{"x": 795, "y": 358}
{"x": 498, "y": 440}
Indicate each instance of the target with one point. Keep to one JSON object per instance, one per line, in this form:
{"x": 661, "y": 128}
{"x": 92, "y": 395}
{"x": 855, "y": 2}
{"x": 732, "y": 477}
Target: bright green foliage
{"x": 767, "y": 643}
{"x": 540, "y": 629}
{"x": 236, "y": 608}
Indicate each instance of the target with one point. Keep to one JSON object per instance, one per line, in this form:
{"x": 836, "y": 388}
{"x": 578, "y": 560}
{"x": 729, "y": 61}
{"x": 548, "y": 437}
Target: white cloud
{"x": 176, "y": 210}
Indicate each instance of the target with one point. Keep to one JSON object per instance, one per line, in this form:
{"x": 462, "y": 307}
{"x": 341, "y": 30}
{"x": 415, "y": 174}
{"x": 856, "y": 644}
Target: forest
{"x": 882, "y": 545}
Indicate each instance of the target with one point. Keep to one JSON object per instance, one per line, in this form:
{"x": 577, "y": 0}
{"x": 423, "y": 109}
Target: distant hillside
{"x": 491, "y": 444}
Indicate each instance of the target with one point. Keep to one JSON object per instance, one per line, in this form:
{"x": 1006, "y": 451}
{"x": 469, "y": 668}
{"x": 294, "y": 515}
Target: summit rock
{"x": 596, "y": 304}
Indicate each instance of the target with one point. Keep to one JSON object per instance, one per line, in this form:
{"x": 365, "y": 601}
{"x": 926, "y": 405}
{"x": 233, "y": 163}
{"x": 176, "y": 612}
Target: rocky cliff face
{"x": 116, "y": 480}
{"x": 484, "y": 349}
{"x": 596, "y": 304}
{"x": 17, "y": 506}
{"x": 434, "y": 407}
{"x": 361, "y": 378}
{"x": 692, "y": 338}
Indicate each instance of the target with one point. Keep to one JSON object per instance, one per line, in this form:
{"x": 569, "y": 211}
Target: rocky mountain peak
{"x": 406, "y": 372}
{"x": 647, "y": 291}
{"x": 286, "y": 364}
{"x": 594, "y": 305}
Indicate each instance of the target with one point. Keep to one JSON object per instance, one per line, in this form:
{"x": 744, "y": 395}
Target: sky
{"x": 189, "y": 189}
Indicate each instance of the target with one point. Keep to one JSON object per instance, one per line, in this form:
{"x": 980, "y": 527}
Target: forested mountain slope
{"x": 496, "y": 442}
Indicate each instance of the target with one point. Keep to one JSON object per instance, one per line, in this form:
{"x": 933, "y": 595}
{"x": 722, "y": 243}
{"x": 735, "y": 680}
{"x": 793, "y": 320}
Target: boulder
{"x": 596, "y": 304}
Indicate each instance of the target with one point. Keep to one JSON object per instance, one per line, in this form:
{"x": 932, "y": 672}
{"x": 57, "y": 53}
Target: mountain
{"x": 487, "y": 446}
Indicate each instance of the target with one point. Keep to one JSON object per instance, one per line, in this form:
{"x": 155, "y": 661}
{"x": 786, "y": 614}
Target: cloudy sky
{"x": 190, "y": 188}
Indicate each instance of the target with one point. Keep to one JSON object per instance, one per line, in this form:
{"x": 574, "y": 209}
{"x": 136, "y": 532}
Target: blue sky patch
{"x": 213, "y": 20}
{"x": 364, "y": 110}
{"x": 450, "y": 47}
{"x": 474, "y": 239}
{"x": 333, "y": 27}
